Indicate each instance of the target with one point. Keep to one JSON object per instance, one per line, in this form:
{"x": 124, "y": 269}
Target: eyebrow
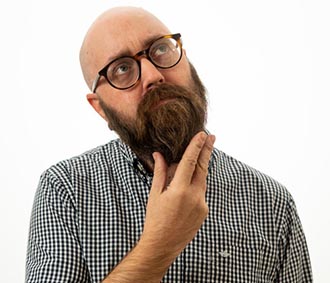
{"x": 126, "y": 52}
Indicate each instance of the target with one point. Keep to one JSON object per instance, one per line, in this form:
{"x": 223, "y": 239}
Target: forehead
{"x": 126, "y": 34}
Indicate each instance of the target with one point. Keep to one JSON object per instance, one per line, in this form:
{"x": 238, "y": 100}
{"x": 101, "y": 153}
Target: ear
{"x": 94, "y": 101}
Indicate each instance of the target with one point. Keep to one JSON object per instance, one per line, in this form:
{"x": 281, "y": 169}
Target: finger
{"x": 201, "y": 170}
{"x": 160, "y": 173}
{"x": 187, "y": 165}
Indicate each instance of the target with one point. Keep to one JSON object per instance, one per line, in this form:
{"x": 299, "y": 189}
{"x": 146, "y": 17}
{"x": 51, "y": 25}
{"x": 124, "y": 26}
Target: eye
{"x": 121, "y": 69}
{"x": 161, "y": 49}
{"x": 123, "y": 72}
{"x": 165, "y": 52}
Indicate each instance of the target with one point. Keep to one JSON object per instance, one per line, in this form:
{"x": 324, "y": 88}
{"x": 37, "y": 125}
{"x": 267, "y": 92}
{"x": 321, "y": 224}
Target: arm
{"x": 54, "y": 254}
{"x": 295, "y": 264}
{"x": 174, "y": 215}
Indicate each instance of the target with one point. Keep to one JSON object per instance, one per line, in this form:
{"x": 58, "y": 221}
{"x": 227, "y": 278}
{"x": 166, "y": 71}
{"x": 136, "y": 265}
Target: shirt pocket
{"x": 239, "y": 257}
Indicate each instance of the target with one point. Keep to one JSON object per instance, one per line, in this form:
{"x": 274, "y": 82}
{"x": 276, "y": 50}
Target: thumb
{"x": 160, "y": 173}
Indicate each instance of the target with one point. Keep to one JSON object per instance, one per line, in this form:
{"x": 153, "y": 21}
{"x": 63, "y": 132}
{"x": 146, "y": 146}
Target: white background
{"x": 266, "y": 65}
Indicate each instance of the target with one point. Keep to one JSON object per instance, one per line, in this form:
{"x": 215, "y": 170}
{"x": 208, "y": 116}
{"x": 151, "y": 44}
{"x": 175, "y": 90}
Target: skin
{"x": 121, "y": 31}
{"x": 176, "y": 207}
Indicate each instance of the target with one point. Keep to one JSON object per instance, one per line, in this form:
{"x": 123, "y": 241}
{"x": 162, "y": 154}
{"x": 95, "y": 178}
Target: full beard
{"x": 167, "y": 118}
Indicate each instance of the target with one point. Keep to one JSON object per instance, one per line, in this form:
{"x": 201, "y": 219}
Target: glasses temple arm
{"x": 95, "y": 83}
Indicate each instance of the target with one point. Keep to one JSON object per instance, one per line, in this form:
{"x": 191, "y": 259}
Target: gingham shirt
{"x": 89, "y": 212}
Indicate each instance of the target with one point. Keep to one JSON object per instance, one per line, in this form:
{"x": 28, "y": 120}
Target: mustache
{"x": 164, "y": 91}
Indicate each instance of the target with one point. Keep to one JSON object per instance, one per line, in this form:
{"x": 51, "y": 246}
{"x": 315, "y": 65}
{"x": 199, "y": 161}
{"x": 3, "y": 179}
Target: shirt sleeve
{"x": 295, "y": 266}
{"x": 54, "y": 253}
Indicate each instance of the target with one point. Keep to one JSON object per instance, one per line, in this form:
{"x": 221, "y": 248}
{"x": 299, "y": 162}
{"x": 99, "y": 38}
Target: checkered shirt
{"x": 89, "y": 212}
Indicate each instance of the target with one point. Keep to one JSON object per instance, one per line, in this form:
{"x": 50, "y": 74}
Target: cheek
{"x": 178, "y": 77}
{"x": 180, "y": 74}
{"x": 130, "y": 109}
{"x": 125, "y": 102}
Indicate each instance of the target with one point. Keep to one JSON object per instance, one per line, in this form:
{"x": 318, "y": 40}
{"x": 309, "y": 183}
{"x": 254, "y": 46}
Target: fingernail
{"x": 204, "y": 135}
{"x": 212, "y": 139}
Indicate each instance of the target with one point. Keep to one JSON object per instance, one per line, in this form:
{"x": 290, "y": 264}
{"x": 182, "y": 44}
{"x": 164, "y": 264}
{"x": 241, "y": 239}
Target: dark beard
{"x": 167, "y": 119}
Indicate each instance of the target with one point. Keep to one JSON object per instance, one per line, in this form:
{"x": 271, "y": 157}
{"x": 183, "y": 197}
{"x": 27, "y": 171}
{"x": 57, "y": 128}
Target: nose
{"x": 150, "y": 75}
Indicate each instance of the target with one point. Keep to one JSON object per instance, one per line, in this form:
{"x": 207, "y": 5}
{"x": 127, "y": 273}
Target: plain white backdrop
{"x": 266, "y": 65}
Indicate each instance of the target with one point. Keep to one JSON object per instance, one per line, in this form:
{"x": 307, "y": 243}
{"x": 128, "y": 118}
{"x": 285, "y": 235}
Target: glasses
{"x": 124, "y": 72}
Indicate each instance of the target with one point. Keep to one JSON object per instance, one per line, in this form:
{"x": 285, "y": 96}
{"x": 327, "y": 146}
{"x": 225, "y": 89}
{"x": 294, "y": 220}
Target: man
{"x": 159, "y": 204}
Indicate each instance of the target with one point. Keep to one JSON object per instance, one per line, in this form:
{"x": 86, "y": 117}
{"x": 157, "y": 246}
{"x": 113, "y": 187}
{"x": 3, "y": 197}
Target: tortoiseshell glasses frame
{"x": 124, "y": 72}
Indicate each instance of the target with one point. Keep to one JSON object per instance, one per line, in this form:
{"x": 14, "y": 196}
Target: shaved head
{"x": 106, "y": 35}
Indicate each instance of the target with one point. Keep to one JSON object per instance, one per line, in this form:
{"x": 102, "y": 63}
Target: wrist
{"x": 147, "y": 262}
{"x": 157, "y": 249}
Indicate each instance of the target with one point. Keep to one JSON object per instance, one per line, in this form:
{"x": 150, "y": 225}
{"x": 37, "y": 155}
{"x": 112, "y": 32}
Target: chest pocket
{"x": 229, "y": 256}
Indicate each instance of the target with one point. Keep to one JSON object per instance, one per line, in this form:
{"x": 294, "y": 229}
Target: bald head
{"x": 118, "y": 31}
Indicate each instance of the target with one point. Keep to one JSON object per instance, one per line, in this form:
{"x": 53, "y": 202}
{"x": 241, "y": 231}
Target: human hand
{"x": 176, "y": 212}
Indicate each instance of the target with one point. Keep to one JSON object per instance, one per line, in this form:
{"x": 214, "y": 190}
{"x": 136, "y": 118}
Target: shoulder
{"x": 249, "y": 180}
{"x": 61, "y": 182}
{"x": 104, "y": 154}
{"x": 257, "y": 192}
{"x": 92, "y": 164}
